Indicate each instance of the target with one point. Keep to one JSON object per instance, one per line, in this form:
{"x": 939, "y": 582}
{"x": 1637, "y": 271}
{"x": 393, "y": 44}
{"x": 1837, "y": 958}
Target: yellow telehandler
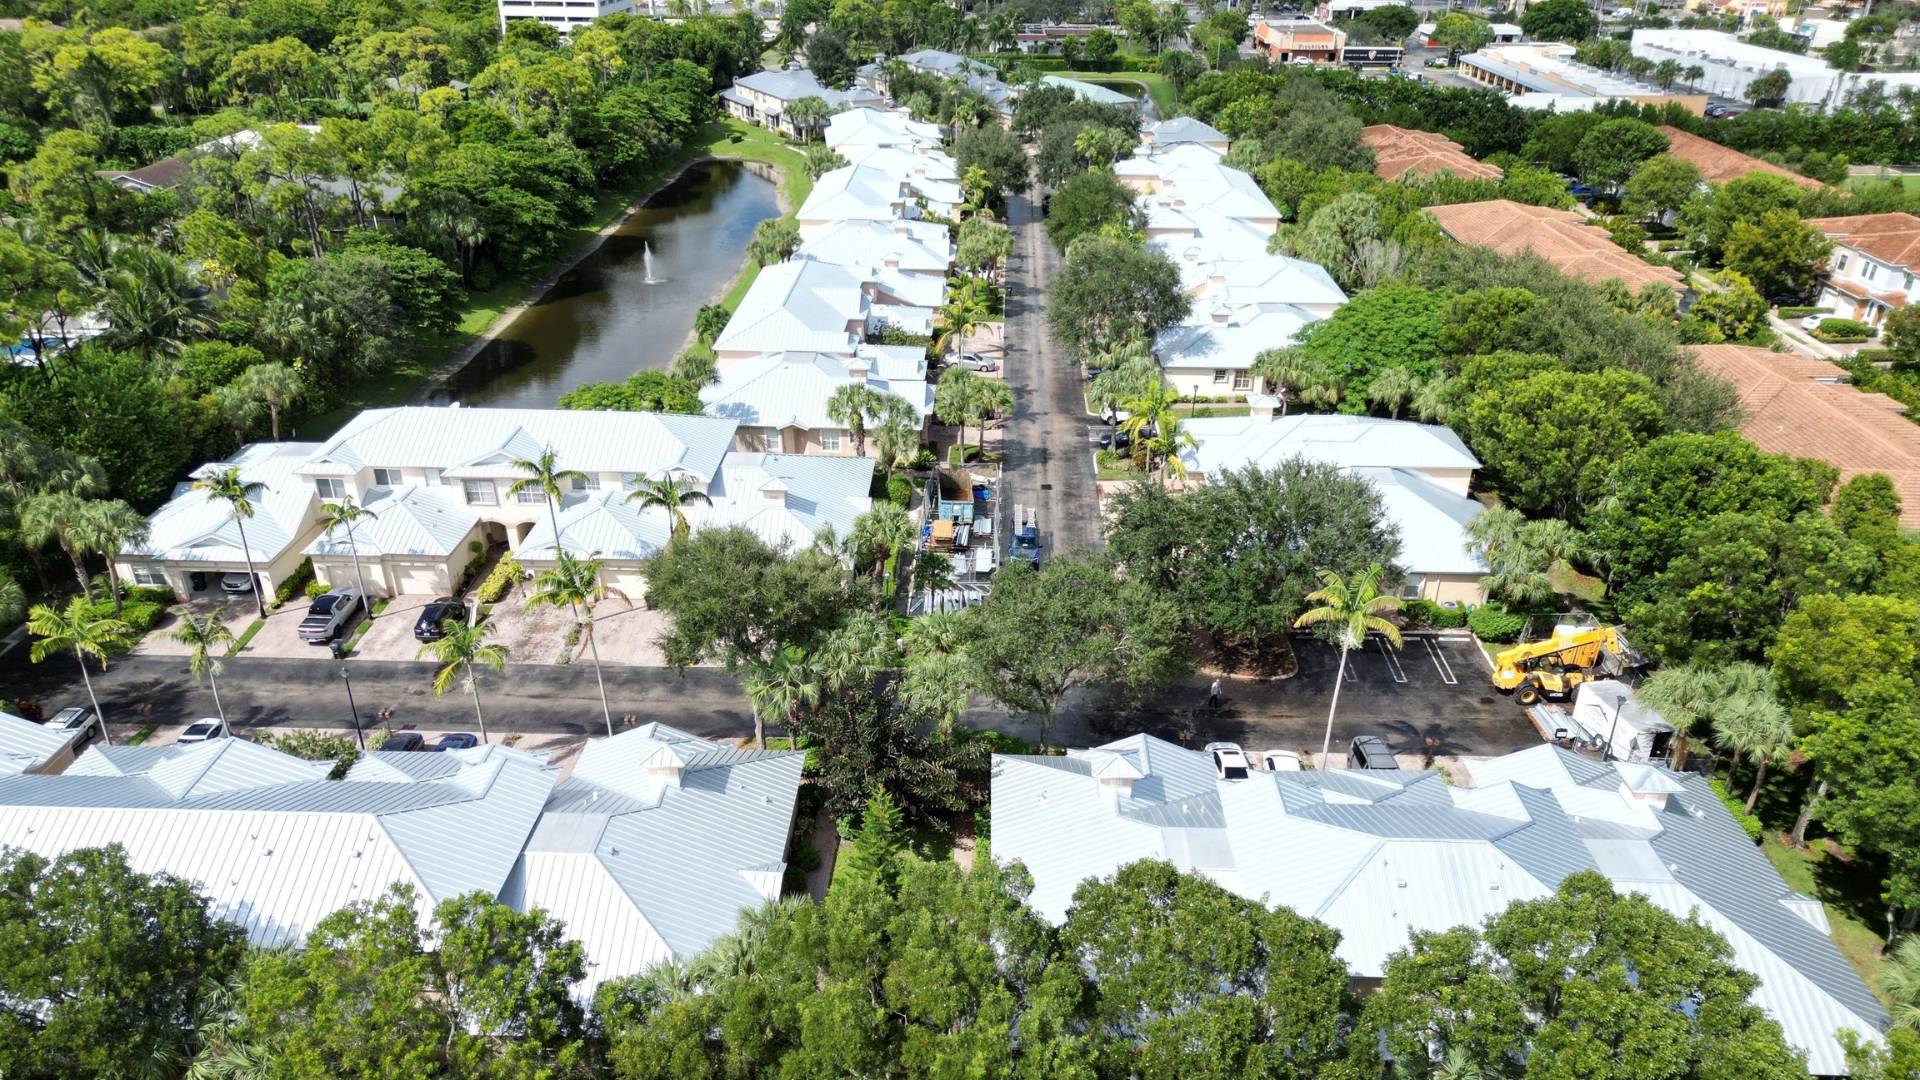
{"x": 1555, "y": 666}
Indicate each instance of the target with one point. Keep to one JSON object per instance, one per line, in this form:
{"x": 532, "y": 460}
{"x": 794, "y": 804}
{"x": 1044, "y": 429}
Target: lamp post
{"x": 1619, "y": 703}
{"x": 346, "y": 677}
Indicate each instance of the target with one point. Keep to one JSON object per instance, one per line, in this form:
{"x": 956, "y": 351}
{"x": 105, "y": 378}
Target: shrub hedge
{"x": 505, "y": 573}
{"x": 1493, "y": 622}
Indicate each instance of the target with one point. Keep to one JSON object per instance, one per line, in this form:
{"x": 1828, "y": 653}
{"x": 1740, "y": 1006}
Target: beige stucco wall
{"x": 395, "y": 575}
{"x": 1191, "y": 382}
{"x": 1459, "y": 589}
{"x": 179, "y": 573}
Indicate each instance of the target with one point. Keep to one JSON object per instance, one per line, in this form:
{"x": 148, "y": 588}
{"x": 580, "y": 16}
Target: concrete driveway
{"x": 628, "y": 634}
{"x": 278, "y": 636}
{"x": 538, "y": 636}
{"x": 238, "y": 615}
{"x": 391, "y": 635}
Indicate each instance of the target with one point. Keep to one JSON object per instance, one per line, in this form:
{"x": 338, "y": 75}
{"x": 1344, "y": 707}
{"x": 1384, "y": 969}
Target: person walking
{"x": 1213, "y": 697}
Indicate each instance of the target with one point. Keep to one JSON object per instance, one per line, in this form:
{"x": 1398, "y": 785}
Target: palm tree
{"x": 1900, "y": 979}
{"x": 203, "y": 634}
{"x": 77, "y": 629}
{"x": 893, "y": 439}
{"x": 113, "y": 526}
{"x": 464, "y": 646}
{"x": 964, "y": 312}
{"x": 59, "y": 517}
{"x": 784, "y": 686}
{"x": 932, "y": 573}
{"x": 1429, "y": 404}
{"x": 671, "y": 494}
{"x": 1392, "y": 390}
{"x": 275, "y": 385}
{"x": 1291, "y": 376}
{"x": 884, "y": 530}
{"x": 227, "y": 486}
{"x": 1166, "y": 444}
{"x": 344, "y": 515}
{"x": 575, "y": 584}
{"x": 806, "y": 114}
{"x": 853, "y": 403}
{"x": 1757, "y": 726}
{"x": 153, "y": 304}
{"x": 1694, "y": 74}
{"x": 1459, "y": 1065}
{"x": 1145, "y": 414}
{"x": 545, "y": 476}
{"x": 1349, "y": 609}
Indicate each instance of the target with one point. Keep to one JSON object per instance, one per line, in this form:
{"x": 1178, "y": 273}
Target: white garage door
{"x": 426, "y": 579}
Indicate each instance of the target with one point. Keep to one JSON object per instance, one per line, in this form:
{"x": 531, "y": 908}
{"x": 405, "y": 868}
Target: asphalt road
{"x": 1049, "y": 460}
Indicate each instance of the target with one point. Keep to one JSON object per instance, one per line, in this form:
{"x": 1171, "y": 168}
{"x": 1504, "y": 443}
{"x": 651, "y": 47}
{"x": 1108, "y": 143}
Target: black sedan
{"x": 434, "y": 617}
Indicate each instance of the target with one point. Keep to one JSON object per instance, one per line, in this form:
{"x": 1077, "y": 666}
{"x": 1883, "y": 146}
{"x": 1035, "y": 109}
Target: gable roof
{"x": 25, "y": 744}
{"x": 790, "y": 85}
{"x": 1431, "y": 519}
{"x": 803, "y": 305}
{"x": 877, "y": 127}
{"x": 1719, "y": 164}
{"x": 1350, "y": 442}
{"x": 914, "y": 246}
{"x": 1791, "y": 405}
{"x": 193, "y": 526}
{"x": 1893, "y": 239}
{"x": 1561, "y": 237}
{"x": 854, "y": 192}
{"x": 1221, "y": 334}
{"x": 1182, "y": 129}
{"x": 1399, "y": 152}
{"x": 791, "y": 389}
{"x": 413, "y": 520}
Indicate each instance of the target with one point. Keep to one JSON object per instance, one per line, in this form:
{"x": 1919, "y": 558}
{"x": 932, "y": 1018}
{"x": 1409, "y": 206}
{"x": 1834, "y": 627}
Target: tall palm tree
{"x": 545, "y": 475}
{"x": 153, "y": 304}
{"x": 227, "y": 486}
{"x": 274, "y": 385}
{"x": 1522, "y": 556}
{"x": 113, "y": 526}
{"x": 464, "y": 646}
{"x": 883, "y": 531}
{"x": 1349, "y": 608}
{"x": 896, "y": 436}
{"x": 345, "y": 514}
{"x": 75, "y": 628}
{"x": 853, "y": 404}
{"x": 1900, "y": 979}
{"x": 1392, "y": 390}
{"x": 1757, "y": 726}
{"x": 964, "y": 312}
{"x": 1292, "y": 377}
{"x": 1429, "y": 404}
{"x": 202, "y": 634}
{"x": 672, "y": 494}
{"x": 784, "y": 686}
{"x": 59, "y": 517}
{"x": 575, "y": 584}
{"x": 1145, "y": 415}
{"x": 932, "y": 572}
{"x": 806, "y": 115}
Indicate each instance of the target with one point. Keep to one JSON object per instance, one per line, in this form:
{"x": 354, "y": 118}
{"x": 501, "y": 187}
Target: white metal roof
{"x": 195, "y": 527}
{"x": 801, "y": 305}
{"x": 25, "y": 744}
{"x": 877, "y": 127}
{"x": 792, "y": 389}
{"x": 1432, "y": 521}
{"x": 1183, "y": 129}
{"x": 1351, "y": 442}
{"x": 483, "y": 442}
{"x": 912, "y": 246}
{"x": 413, "y": 520}
{"x": 854, "y": 192}
{"x": 1221, "y": 334}
{"x": 1380, "y": 856}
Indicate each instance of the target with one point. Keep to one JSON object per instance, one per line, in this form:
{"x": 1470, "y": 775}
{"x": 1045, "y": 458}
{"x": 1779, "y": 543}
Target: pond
{"x": 630, "y": 304}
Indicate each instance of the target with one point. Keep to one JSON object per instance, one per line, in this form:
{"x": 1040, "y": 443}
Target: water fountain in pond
{"x": 646, "y": 262}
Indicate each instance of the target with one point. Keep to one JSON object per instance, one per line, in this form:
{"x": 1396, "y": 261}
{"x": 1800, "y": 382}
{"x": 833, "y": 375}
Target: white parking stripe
{"x": 1393, "y": 662}
{"x": 1440, "y": 663}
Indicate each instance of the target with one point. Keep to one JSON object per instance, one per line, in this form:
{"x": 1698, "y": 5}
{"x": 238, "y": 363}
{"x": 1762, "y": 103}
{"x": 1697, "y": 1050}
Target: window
{"x": 1410, "y": 588}
{"x": 1842, "y": 263}
{"x": 330, "y": 489}
{"x": 434, "y": 478}
{"x": 531, "y": 495}
{"x": 143, "y": 574}
{"x": 630, "y": 481}
{"x": 1909, "y": 283}
{"x": 589, "y": 482}
{"x": 1242, "y": 381}
{"x": 1870, "y": 271}
{"x": 480, "y": 493}
{"x": 386, "y": 477}
{"x": 1219, "y": 375}
{"x": 829, "y": 440}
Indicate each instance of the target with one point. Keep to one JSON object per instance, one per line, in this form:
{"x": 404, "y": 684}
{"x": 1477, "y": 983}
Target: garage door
{"x": 631, "y": 584}
{"x": 423, "y": 580}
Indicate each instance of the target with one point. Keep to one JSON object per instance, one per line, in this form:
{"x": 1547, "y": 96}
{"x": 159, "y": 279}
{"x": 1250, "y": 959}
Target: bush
{"x": 1802, "y": 312}
{"x": 505, "y": 573}
{"x": 1843, "y": 331}
{"x": 1738, "y": 808}
{"x": 316, "y": 746}
{"x": 924, "y": 461}
{"x": 315, "y": 590}
{"x": 296, "y": 583}
{"x": 900, "y": 491}
{"x": 151, "y": 594}
{"x": 1427, "y": 613}
{"x": 1493, "y": 622}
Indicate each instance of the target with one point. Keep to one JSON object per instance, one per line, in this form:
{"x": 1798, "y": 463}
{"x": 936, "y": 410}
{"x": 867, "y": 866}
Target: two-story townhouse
{"x": 864, "y": 127}
{"x": 1873, "y": 268}
{"x": 780, "y": 399}
{"x": 1183, "y": 130}
{"x": 854, "y": 193}
{"x": 766, "y": 98}
{"x": 801, "y": 305}
{"x": 931, "y": 178}
{"x": 193, "y": 538}
{"x": 1242, "y": 307}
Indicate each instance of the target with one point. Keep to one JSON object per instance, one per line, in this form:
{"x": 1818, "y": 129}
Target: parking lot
{"x": 1433, "y": 695}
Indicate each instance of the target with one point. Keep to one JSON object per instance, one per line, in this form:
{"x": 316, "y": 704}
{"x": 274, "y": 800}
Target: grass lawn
{"x": 1155, "y": 83}
{"x": 478, "y": 310}
{"x": 1845, "y": 891}
{"x": 1911, "y": 182}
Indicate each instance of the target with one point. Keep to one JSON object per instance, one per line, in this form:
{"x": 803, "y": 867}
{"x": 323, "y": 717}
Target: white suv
{"x": 1229, "y": 760}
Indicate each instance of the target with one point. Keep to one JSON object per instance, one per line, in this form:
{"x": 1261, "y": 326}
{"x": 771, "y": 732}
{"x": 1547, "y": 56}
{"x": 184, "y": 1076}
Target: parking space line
{"x": 1393, "y": 662}
{"x": 1440, "y": 663}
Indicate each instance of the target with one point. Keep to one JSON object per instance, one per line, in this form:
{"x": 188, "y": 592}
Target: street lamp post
{"x": 346, "y": 677}
{"x": 1619, "y": 703}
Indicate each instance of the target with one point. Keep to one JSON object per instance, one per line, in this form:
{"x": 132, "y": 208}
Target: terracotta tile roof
{"x": 1723, "y": 163}
{"x": 1891, "y": 238}
{"x": 1561, "y": 237}
{"x": 1791, "y": 410}
{"x": 1399, "y": 151}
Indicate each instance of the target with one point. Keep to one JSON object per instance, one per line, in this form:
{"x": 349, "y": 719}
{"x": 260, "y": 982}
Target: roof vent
{"x": 1402, "y": 883}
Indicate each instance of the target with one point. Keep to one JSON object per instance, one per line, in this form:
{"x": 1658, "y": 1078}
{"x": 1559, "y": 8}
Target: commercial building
{"x": 1561, "y": 237}
{"x": 1422, "y": 471}
{"x": 1871, "y": 272}
{"x": 1399, "y": 152}
{"x": 1381, "y": 855}
{"x": 1793, "y": 405}
{"x": 648, "y": 851}
{"x": 1299, "y": 41}
{"x": 1550, "y": 71}
{"x": 1731, "y": 65}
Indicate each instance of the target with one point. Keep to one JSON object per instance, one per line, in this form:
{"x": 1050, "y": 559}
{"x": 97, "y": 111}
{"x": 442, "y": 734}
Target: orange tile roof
{"x": 1892, "y": 238}
{"x": 1790, "y": 411}
{"x": 1561, "y": 237}
{"x": 1723, "y": 163}
{"x": 1398, "y": 151}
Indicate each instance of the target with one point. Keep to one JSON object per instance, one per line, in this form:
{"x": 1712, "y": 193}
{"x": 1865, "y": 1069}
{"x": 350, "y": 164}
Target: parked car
{"x": 1812, "y": 322}
{"x": 431, "y": 625}
{"x": 404, "y": 741}
{"x": 1370, "y": 752}
{"x": 1440, "y": 62}
{"x": 1229, "y": 761}
{"x": 1281, "y": 761}
{"x": 236, "y": 583}
{"x": 80, "y": 722}
{"x": 967, "y": 361}
{"x": 330, "y": 613}
{"x": 1026, "y": 545}
{"x": 456, "y": 740}
{"x": 1116, "y": 440}
{"x": 205, "y": 729}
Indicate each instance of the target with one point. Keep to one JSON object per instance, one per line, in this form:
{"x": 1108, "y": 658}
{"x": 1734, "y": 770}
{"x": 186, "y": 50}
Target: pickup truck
{"x": 331, "y": 613}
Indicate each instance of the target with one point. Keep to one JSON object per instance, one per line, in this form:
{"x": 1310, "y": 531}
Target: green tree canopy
{"x": 1111, "y": 287}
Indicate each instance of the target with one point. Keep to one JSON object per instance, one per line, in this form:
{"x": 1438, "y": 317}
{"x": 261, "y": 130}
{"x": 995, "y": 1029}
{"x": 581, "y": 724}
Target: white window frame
{"x": 330, "y": 487}
{"x": 1870, "y": 271}
{"x": 147, "y": 574}
{"x": 480, "y": 493}
{"x": 1219, "y": 375}
{"x": 1410, "y": 586}
{"x": 531, "y": 496}
{"x": 387, "y": 478}
{"x": 1242, "y": 381}
{"x": 588, "y": 482}
{"x": 1841, "y": 263}
{"x": 830, "y": 440}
